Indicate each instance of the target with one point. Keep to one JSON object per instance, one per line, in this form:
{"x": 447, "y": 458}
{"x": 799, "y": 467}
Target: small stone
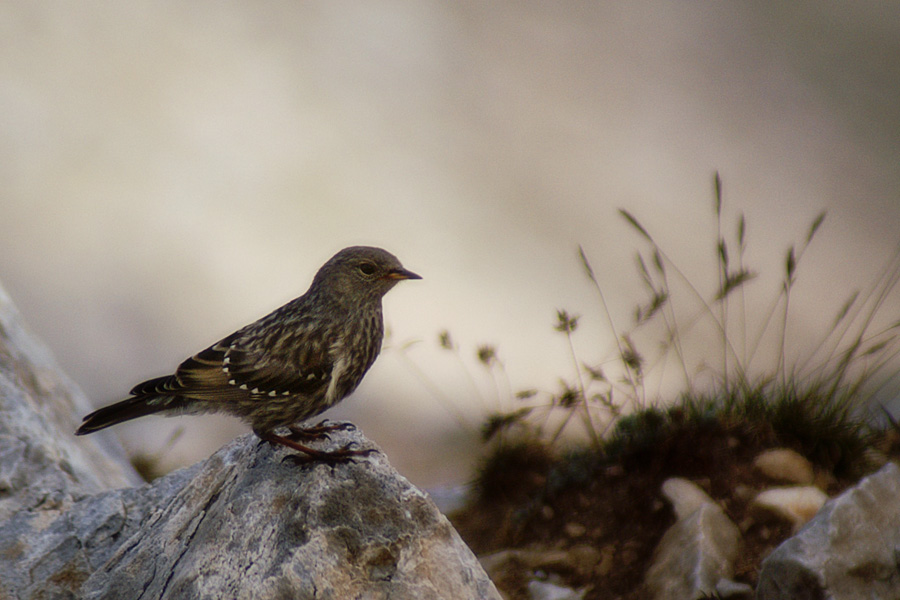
{"x": 546, "y": 590}
{"x": 547, "y": 512}
{"x": 584, "y": 559}
{"x": 727, "y": 589}
{"x": 796, "y": 505}
{"x": 783, "y": 464}
{"x": 575, "y": 530}
{"x": 607, "y": 554}
{"x": 685, "y": 496}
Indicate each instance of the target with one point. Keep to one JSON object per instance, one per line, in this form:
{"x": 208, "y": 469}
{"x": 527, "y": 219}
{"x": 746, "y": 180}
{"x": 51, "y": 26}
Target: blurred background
{"x": 172, "y": 171}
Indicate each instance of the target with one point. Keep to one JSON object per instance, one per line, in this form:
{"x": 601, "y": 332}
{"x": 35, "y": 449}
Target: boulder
{"x": 848, "y": 551}
{"x": 245, "y": 523}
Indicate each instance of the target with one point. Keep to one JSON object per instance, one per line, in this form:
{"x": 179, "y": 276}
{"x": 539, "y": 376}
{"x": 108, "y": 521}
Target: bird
{"x": 288, "y": 366}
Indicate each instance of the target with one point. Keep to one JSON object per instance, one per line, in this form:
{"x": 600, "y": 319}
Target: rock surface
{"x": 685, "y": 496}
{"x": 849, "y": 551}
{"x": 546, "y": 590}
{"x": 42, "y": 464}
{"x": 242, "y": 524}
{"x": 695, "y": 553}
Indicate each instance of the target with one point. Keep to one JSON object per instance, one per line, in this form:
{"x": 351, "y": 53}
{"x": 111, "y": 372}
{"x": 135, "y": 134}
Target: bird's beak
{"x": 402, "y": 274}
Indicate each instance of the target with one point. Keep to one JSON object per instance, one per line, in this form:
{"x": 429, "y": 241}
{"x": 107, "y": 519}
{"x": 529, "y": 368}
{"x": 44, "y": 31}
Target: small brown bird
{"x": 288, "y": 366}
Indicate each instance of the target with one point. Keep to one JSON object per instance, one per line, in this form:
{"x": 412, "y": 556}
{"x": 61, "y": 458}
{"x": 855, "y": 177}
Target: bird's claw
{"x": 344, "y": 454}
{"x": 307, "y": 434}
{"x": 320, "y": 430}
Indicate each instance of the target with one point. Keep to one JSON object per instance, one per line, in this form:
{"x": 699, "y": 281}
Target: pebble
{"x": 796, "y": 505}
{"x": 575, "y": 530}
{"x": 783, "y": 464}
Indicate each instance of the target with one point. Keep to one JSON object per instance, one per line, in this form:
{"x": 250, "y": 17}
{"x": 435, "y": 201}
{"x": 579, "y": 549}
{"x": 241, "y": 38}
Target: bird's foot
{"x": 319, "y": 430}
{"x": 343, "y": 454}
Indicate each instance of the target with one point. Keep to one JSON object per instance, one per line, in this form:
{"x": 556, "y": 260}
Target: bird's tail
{"x": 130, "y": 408}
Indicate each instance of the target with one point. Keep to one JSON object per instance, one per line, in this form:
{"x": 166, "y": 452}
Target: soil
{"x": 530, "y": 500}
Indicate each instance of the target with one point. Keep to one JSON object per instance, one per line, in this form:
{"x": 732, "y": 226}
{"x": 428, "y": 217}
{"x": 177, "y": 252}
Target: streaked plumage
{"x": 288, "y": 366}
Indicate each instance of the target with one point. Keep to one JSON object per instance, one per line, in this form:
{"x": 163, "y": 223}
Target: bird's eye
{"x": 367, "y": 268}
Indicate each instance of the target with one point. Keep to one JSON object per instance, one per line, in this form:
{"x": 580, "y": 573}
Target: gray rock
{"x": 548, "y": 590}
{"x": 242, "y": 524}
{"x": 42, "y": 465}
{"x": 694, "y": 554}
{"x": 582, "y": 560}
{"x": 727, "y": 589}
{"x": 849, "y": 551}
{"x": 685, "y": 496}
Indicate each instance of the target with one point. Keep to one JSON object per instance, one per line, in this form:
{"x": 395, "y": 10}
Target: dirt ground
{"x": 533, "y": 502}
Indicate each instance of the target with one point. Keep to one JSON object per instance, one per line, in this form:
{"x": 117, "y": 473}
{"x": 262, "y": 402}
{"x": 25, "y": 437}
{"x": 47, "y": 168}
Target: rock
{"x": 684, "y": 495}
{"x": 607, "y": 558}
{"x": 548, "y": 590}
{"x": 796, "y": 505}
{"x": 581, "y": 560}
{"x": 245, "y": 524}
{"x": 696, "y": 552}
{"x": 574, "y": 530}
{"x": 849, "y": 551}
{"x": 783, "y": 464}
{"x": 42, "y": 465}
{"x": 727, "y": 589}
{"x": 242, "y": 524}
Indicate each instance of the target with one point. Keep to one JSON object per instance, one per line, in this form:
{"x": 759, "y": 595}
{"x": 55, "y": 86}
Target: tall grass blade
{"x": 635, "y": 224}
{"x": 814, "y": 227}
{"x": 717, "y": 182}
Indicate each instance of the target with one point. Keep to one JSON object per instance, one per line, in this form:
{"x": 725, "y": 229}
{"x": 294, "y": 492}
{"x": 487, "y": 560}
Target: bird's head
{"x": 361, "y": 273}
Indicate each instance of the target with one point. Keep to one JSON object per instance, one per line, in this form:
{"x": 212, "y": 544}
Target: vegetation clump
{"x": 596, "y": 449}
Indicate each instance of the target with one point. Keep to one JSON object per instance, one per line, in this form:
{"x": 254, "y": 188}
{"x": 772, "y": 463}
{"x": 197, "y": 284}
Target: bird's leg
{"x": 319, "y": 430}
{"x": 343, "y": 454}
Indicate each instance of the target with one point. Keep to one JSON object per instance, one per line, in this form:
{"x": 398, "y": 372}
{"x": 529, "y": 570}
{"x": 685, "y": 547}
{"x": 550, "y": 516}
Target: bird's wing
{"x": 308, "y": 374}
{"x": 200, "y": 376}
{"x": 230, "y": 370}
